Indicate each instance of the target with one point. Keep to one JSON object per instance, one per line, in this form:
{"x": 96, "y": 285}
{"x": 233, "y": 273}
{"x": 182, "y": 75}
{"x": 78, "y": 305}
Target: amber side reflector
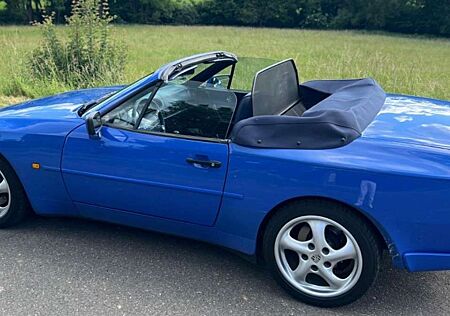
{"x": 36, "y": 165}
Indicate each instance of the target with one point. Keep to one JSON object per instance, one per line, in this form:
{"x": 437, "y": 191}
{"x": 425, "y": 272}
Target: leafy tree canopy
{"x": 407, "y": 16}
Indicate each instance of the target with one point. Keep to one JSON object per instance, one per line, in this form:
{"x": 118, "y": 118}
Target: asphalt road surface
{"x": 64, "y": 267}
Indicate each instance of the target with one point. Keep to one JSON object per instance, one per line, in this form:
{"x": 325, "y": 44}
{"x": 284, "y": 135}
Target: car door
{"x": 141, "y": 168}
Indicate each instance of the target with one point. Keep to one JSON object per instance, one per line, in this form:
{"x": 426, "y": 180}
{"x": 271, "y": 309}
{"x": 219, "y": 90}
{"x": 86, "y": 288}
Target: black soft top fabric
{"x": 336, "y": 112}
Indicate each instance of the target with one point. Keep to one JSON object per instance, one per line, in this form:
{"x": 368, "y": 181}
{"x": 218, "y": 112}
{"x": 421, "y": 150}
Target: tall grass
{"x": 85, "y": 57}
{"x": 408, "y": 65}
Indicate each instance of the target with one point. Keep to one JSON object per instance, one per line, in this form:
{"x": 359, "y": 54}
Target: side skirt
{"x": 183, "y": 229}
{"x": 424, "y": 261}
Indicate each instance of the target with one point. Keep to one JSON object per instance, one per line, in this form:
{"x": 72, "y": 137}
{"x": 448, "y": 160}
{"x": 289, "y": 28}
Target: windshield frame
{"x": 122, "y": 95}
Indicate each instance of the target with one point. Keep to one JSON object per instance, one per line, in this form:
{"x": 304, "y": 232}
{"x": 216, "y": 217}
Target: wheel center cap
{"x": 316, "y": 258}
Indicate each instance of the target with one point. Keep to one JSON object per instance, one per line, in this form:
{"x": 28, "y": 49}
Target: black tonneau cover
{"x": 333, "y": 113}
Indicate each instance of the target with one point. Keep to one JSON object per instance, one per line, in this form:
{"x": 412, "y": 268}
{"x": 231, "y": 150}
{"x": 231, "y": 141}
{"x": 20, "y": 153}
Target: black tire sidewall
{"x": 353, "y": 223}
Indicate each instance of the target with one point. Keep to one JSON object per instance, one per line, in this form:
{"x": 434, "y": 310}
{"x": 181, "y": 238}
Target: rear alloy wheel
{"x": 13, "y": 200}
{"x": 330, "y": 260}
{"x": 321, "y": 253}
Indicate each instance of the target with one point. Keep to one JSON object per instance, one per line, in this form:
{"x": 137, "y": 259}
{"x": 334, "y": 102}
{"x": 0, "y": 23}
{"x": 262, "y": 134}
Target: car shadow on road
{"x": 114, "y": 260}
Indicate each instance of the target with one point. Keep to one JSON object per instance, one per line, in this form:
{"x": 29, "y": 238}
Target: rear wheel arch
{"x": 377, "y": 231}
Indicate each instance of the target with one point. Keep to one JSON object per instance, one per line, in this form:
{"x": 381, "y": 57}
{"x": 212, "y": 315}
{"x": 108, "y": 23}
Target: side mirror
{"x": 94, "y": 124}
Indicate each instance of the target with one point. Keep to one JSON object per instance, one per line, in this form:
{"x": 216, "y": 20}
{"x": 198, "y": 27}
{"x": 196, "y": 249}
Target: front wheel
{"x": 321, "y": 253}
{"x": 13, "y": 201}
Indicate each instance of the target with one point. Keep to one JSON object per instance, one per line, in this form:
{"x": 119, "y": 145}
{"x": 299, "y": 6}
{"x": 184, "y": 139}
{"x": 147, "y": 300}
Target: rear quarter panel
{"x": 409, "y": 185}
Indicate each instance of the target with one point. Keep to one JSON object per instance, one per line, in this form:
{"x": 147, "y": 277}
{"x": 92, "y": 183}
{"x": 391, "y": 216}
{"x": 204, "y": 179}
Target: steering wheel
{"x": 157, "y": 105}
{"x": 153, "y": 119}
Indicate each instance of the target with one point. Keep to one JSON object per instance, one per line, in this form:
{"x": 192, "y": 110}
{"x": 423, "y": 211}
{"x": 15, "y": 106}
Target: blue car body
{"x": 397, "y": 175}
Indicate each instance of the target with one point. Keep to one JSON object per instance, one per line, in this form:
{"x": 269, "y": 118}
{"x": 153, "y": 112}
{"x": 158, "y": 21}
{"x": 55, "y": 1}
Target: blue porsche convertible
{"x": 314, "y": 180}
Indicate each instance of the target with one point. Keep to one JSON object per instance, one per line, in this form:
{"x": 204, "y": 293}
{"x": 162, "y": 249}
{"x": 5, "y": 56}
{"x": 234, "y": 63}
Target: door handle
{"x": 204, "y": 163}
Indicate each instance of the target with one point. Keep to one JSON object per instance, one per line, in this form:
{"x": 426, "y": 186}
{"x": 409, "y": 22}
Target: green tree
{"x": 408, "y": 16}
{"x": 20, "y": 11}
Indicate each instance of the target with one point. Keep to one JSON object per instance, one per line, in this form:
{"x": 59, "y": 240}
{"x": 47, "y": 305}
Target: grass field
{"x": 408, "y": 65}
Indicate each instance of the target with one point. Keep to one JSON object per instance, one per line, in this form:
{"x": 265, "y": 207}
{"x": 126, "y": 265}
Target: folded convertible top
{"x": 330, "y": 114}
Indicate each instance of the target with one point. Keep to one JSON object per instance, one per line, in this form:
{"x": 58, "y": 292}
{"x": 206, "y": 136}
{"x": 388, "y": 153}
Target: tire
{"x": 14, "y": 206}
{"x": 317, "y": 276}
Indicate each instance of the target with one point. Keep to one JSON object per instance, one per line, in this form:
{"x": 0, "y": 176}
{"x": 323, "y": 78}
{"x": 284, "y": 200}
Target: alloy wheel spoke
{"x": 318, "y": 233}
{"x": 332, "y": 280}
{"x": 344, "y": 253}
{"x": 300, "y": 273}
{"x": 287, "y": 242}
{"x": 4, "y": 186}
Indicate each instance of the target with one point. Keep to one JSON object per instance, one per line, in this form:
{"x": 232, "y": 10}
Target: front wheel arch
{"x": 4, "y": 160}
{"x": 382, "y": 240}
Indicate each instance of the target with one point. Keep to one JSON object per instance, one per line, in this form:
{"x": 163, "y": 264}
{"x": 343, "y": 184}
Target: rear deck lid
{"x": 412, "y": 120}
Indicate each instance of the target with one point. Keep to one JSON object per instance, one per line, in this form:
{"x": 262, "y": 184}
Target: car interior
{"x": 199, "y": 101}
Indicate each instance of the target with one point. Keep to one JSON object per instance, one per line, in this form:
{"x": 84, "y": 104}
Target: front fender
{"x": 24, "y": 141}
